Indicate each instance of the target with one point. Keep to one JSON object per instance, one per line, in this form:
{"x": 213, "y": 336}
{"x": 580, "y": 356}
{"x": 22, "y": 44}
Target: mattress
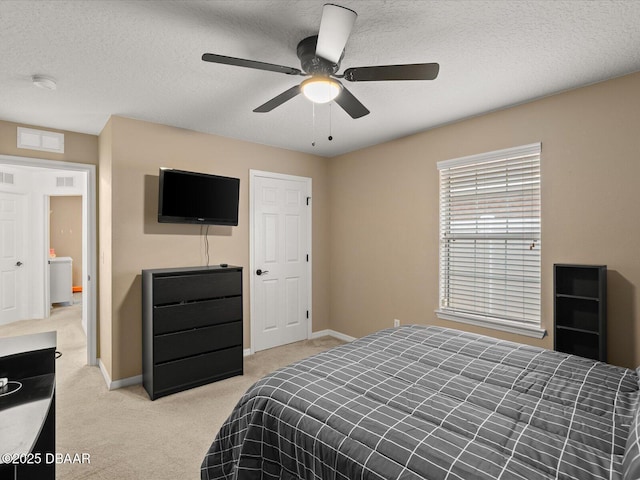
{"x": 433, "y": 403}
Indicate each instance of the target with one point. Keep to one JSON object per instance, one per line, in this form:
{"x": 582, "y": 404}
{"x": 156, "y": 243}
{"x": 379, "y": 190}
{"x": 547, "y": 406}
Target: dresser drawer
{"x": 190, "y": 372}
{"x": 173, "y": 346}
{"x": 200, "y": 286}
{"x": 184, "y": 316}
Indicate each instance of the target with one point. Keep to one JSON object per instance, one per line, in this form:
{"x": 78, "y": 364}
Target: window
{"x": 490, "y": 240}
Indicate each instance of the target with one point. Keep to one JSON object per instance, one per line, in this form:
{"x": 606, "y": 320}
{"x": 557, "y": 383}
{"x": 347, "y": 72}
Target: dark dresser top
{"x": 28, "y": 362}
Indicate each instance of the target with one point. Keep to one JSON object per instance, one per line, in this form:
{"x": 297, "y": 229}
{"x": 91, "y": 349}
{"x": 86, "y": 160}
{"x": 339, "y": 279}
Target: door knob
{"x": 18, "y": 263}
{"x": 261, "y": 272}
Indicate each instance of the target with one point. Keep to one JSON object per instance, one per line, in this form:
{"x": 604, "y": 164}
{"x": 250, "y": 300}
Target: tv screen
{"x": 190, "y": 197}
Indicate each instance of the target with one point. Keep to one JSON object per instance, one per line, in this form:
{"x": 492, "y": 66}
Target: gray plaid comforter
{"x": 432, "y": 403}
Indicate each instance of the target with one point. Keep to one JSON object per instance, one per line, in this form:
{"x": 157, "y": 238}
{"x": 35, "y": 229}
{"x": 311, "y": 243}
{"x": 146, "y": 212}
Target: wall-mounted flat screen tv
{"x": 190, "y": 197}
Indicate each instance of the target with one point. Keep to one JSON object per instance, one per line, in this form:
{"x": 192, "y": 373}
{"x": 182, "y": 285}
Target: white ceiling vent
{"x": 64, "y": 181}
{"x": 40, "y": 140}
{"x": 6, "y": 178}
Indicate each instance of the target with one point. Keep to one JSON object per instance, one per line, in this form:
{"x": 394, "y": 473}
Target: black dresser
{"x": 191, "y": 327}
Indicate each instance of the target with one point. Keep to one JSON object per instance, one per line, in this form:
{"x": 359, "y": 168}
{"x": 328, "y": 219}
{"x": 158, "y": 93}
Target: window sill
{"x": 504, "y": 325}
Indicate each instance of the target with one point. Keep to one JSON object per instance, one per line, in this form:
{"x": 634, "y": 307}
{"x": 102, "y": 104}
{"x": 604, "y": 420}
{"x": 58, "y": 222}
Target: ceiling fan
{"x": 320, "y": 56}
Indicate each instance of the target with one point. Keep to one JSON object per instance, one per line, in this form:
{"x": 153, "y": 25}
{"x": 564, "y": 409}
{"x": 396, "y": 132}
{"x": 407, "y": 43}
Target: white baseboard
{"x": 115, "y": 384}
{"x": 322, "y": 333}
{"x": 332, "y": 333}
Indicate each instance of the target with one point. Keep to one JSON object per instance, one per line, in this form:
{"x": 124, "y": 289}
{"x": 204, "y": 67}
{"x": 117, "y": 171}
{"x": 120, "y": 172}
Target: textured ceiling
{"x": 142, "y": 59}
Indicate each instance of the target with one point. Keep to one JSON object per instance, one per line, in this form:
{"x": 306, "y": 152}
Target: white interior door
{"x": 281, "y": 247}
{"x": 12, "y": 272}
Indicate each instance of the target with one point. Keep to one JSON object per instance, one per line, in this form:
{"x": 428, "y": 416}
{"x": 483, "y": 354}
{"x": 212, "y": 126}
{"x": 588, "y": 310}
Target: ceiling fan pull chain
{"x": 330, "y": 112}
{"x": 313, "y": 124}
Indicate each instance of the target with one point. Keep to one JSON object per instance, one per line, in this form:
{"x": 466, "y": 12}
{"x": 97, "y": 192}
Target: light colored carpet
{"x": 127, "y": 435}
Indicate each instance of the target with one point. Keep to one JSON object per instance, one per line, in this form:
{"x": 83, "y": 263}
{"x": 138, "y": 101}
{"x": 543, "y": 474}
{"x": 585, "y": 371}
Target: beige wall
{"x": 65, "y": 230}
{"x": 375, "y": 213}
{"x": 78, "y": 147}
{"x": 104, "y": 260}
{"x": 384, "y": 211}
{"x": 134, "y": 151}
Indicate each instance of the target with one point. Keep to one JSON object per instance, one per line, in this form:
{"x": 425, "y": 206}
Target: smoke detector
{"x": 43, "y": 81}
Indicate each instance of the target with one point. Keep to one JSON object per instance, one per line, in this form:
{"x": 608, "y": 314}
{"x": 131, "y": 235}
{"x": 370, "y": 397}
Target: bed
{"x": 433, "y": 403}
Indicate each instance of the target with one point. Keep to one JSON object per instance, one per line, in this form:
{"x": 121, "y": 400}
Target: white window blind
{"x": 490, "y": 239}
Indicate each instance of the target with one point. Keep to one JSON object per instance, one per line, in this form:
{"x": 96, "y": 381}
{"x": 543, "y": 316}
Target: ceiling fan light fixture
{"x": 320, "y": 89}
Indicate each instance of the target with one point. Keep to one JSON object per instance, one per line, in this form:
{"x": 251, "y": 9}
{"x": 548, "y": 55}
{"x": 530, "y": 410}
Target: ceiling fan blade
{"x": 335, "y": 28}
{"x": 351, "y": 104}
{"x": 278, "y": 100}
{"x": 240, "y": 62}
{"x": 415, "y": 71}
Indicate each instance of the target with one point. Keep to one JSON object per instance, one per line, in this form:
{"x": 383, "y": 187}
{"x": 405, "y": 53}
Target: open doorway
{"x": 38, "y": 181}
{"x": 65, "y": 252}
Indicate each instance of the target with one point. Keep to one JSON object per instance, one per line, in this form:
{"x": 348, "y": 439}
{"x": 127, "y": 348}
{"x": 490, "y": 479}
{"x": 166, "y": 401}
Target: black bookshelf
{"x": 580, "y": 310}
